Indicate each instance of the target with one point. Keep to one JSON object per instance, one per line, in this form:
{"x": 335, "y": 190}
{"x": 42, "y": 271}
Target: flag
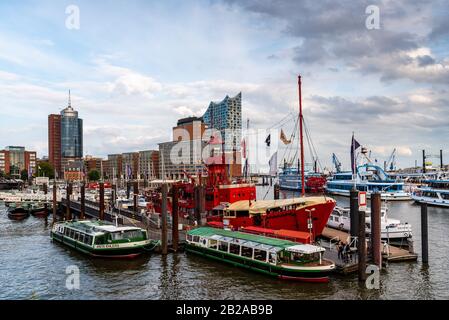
{"x": 354, "y": 146}
{"x": 273, "y": 164}
{"x": 268, "y": 140}
{"x": 284, "y": 138}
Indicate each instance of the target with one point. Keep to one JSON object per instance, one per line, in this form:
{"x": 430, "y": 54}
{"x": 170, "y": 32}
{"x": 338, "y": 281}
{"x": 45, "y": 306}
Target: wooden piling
{"x": 424, "y": 234}
{"x": 175, "y": 222}
{"x": 164, "y": 243}
{"x": 354, "y": 212}
{"x": 128, "y": 190}
{"x": 101, "y": 213}
{"x": 68, "y": 204}
{"x": 83, "y": 201}
{"x": 376, "y": 242}
{"x": 276, "y": 191}
{"x": 45, "y": 187}
{"x": 54, "y": 201}
{"x": 135, "y": 195}
{"x": 361, "y": 246}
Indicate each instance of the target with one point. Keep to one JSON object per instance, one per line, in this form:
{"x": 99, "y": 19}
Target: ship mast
{"x": 301, "y": 138}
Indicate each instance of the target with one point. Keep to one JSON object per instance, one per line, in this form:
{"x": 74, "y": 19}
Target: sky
{"x": 135, "y": 67}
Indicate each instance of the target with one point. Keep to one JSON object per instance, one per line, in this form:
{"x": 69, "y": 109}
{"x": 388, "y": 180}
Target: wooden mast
{"x": 301, "y": 138}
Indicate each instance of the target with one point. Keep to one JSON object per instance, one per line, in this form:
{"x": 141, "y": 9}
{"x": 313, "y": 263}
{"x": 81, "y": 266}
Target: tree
{"x": 94, "y": 175}
{"x": 2, "y": 174}
{"x": 45, "y": 169}
{"x": 24, "y": 175}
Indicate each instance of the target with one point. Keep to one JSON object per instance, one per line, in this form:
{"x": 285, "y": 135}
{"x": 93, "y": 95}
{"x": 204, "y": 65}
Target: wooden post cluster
{"x": 135, "y": 194}
{"x": 361, "y": 246}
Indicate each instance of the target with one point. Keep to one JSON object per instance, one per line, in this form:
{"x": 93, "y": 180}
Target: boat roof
{"x": 214, "y": 232}
{"x": 261, "y": 206}
{"x": 96, "y": 227}
{"x": 305, "y": 248}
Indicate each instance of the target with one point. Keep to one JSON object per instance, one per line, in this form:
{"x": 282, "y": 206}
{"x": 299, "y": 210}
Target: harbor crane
{"x": 336, "y": 162}
{"x": 391, "y": 162}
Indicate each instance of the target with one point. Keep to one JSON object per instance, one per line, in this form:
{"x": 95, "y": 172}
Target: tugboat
{"x": 278, "y": 258}
{"x": 17, "y": 213}
{"x": 100, "y": 239}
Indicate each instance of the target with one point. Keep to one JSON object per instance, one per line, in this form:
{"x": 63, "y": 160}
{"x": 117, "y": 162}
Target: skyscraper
{"x": 65, "y": 138}
{"x": 226, "y": 116}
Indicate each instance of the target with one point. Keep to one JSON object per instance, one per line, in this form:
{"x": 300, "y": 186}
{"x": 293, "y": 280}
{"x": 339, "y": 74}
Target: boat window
{"x": 247, "y": 252}
{"x": 337, "y": 219}
{"x": 234, "y": 249}
{"x": 67, "y": 232}
{"x": 242, "y": 213}
{"x": 88, "y": 239}
{"x": 223, "y": 246}
{"x": 126, "y": 235}
{"x": 72, "y": 234}
{"x": 189, "y": 237}
{"x": 77, "y": 235}
{"x": 260, "y": 255}
{"x": 99, "y": 240}
{"x": 196, "y": 239}
{"x": 213, "y": 244}
{"x": 272, "y": 258}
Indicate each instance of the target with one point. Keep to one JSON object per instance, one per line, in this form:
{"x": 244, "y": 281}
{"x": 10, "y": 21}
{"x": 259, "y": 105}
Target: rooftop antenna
{"x": 70, "y": 100}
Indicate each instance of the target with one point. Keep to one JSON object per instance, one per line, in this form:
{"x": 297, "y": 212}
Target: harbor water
{"x": 33, "y": 267}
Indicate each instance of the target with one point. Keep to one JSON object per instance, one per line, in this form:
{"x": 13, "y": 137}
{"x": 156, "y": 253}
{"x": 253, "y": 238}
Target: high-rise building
{"x": 226, "y": 116}
{"x": 132, "y": 165}
{"x": 149, "y": 164}
{"x": 186, "y": 159}
{"x": 114, "y": 168}
{"x": 65, "y": 138}
{"x": 13, "y": 160}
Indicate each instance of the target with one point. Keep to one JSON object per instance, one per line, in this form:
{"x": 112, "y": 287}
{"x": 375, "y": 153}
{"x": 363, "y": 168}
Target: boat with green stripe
{"x": 275, "y": 257}
{"x": 102, "y": 239}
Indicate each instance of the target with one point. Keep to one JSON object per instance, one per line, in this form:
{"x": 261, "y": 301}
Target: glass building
{"x": 226, "y": 116}
{"x": 71, "y": 134}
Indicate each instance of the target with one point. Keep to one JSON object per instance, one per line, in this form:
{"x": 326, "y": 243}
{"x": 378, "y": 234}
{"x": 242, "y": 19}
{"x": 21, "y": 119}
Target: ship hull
{"x": 289, "y": 220}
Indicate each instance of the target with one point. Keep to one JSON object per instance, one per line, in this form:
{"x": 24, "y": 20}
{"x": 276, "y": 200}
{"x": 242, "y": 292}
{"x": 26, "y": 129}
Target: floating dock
{"x": 390, "y": 253}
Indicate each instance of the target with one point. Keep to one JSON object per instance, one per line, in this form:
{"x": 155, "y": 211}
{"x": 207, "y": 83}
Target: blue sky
{"x": 135, "y": 67}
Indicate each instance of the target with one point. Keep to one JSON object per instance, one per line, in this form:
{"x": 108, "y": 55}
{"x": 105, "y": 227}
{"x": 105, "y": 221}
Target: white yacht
{"x": 390, "y": 228}
{"x": 435, "y": 193}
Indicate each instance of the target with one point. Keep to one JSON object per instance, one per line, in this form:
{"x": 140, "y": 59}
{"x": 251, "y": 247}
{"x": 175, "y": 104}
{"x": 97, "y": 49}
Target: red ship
{"x": 233, "y": 204}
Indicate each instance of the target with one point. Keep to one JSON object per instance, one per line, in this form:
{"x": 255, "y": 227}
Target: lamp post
{"x": 310, "y": 222}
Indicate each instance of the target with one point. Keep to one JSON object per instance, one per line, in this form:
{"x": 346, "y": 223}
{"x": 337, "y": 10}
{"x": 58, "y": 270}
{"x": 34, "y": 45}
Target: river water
{"x": 33, "y": 267}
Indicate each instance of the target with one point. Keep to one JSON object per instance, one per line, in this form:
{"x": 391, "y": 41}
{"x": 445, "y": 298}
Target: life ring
{"x": 406, "y": 235}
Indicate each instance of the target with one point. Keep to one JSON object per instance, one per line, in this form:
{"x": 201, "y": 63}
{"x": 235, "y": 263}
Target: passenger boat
{"x": 307, "y": 214}
{"x": 369, "y": 178}
{"x": 274, "y": 257}
{"x": 17, "y": 212}
{"x": 391, "y": 229}
{"x": 435, "y": 193}
{"x": 100, "y": 239}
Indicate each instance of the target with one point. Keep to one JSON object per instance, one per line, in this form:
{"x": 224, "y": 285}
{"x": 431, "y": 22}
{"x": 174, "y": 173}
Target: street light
{"x": 309, "y": 221}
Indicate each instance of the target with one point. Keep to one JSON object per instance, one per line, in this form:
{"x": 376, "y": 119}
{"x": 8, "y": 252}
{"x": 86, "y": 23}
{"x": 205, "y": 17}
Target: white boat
{"x": 390, "y": 228}
{"x": 369, "y": 178}
{"x": 436, "y": 193}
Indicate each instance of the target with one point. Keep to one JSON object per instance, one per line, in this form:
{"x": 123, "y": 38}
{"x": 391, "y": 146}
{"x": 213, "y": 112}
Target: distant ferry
{"x": 100, "y": 239}
{"x": 370, "y": 178}
{"x": 275, "y": 257}
{"x": 390, "y": 228}
{"x": 436, "y": 193}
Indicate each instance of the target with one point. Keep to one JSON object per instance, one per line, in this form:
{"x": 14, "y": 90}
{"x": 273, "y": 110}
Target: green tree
{"x": 2, "y": 174}
{"x": 94, "y": 175}
{"x": 24, "y": 175}
{"x": 45, "y": 169}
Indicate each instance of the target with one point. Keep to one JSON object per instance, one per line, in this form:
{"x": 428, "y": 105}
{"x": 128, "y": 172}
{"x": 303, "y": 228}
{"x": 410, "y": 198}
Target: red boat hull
{"x": 288, "y": 220}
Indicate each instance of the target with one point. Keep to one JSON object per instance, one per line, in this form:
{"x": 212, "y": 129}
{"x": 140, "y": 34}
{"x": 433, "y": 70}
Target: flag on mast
{"x": 273, "y": 164}
{"x": 354, "y": 146}
{"x": 284, "y": 138}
